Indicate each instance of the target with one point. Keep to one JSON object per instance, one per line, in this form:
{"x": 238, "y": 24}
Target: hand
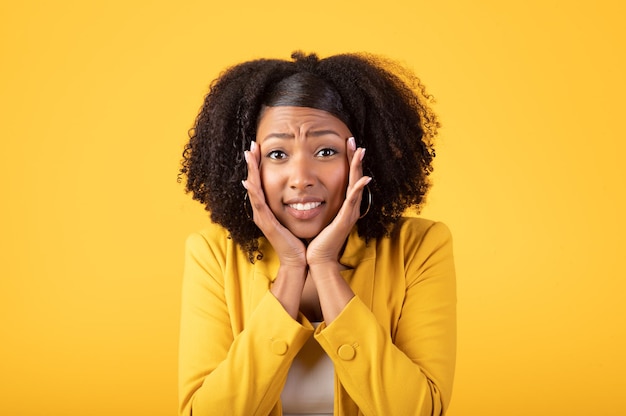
{"x": 290, "y": 250}
{"x": 325, "y": 248}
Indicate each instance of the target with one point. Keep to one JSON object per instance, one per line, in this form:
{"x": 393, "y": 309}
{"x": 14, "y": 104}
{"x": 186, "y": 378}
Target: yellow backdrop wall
{"x": 96, "y": 100}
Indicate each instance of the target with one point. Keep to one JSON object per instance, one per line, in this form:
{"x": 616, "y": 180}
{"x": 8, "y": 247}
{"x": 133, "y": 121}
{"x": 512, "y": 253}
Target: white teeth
{"x": 305, "y": 207}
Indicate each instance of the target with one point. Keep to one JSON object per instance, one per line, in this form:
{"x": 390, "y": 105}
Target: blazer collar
{"x": 356, "y": 251}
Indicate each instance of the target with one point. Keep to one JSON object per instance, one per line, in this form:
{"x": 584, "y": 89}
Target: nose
{"x": 301, "y": 175}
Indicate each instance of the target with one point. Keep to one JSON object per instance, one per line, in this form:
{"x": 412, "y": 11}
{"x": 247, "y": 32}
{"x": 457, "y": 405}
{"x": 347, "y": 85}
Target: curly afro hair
{"x": 384, "y": 105}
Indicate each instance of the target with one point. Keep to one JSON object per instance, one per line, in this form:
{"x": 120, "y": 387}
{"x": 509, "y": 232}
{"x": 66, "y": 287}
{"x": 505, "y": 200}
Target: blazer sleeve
{"x": 411, "y": 373}
{"x": 221, "y": 371}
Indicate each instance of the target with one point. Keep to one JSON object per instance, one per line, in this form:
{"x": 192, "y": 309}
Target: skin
{"x": 309, "y": 157}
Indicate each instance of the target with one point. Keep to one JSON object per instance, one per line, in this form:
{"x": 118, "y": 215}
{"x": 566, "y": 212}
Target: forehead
{"x": 297, "y": 118}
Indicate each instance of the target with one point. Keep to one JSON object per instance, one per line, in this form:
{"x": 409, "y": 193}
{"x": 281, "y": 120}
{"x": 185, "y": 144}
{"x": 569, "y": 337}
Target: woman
{"x": 310, "y": 293}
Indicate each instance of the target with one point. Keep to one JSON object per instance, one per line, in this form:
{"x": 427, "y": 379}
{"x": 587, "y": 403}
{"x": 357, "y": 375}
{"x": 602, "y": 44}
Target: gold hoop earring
{"x": 369, "y": 201}
{"x": 245, "y": 206}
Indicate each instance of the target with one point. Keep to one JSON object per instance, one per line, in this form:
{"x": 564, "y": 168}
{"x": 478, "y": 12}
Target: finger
{"x": 351, "y": 209}
{"x": 252, "y": 164}
{"x": 350, "y": 149}
{"x": 255, "y": 150}
{"x": 253, "y": 184}
{"x": 356, "y": 167}
{"x": 353, "y": 198}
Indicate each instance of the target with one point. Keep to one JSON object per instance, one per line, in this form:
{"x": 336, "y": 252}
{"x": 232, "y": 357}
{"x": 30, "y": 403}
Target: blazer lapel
{"x": 360, "y": 259}
{"x": 264, "y": 274}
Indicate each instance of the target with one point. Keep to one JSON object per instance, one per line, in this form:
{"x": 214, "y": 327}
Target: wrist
{"x": 293, "y": 270}
{"x": 324, "y": 269}
{"x": 293, "y": 263}
{"x": 322, "y": 261}
{"x": 287, "y": 288}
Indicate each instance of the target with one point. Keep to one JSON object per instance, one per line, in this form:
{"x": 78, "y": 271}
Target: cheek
{"x": 270, "y": 182}
{"x": 338, "y": 180}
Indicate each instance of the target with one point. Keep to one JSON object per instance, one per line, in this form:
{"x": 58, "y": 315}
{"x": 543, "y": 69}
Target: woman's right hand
{"x": 289, "y": 282}
{"x": 290, "y": 250}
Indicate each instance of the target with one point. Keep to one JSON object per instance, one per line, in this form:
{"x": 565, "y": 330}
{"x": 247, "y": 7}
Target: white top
{"x": 310, "y": 386}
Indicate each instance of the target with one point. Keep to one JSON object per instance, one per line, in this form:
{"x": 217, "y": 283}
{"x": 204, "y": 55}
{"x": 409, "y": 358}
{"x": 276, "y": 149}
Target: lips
{"x": 304, "y": 208}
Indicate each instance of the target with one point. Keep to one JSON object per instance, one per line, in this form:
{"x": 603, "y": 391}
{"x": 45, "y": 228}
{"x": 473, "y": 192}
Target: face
{"x": 304, "y": 166}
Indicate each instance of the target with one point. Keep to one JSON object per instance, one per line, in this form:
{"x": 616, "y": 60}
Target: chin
{"x": 305, "y": 233}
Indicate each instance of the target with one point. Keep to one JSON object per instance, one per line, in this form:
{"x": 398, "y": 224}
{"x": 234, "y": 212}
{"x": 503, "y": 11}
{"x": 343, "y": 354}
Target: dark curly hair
{"x": 384, "y": 105}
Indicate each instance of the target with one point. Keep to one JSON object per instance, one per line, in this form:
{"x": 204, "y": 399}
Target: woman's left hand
{"x": 326, "y": 246}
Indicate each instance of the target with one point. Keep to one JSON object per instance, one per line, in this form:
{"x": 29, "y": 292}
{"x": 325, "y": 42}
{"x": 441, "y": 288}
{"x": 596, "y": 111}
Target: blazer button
{"x": 279, "y": 347}
{"x": 346, "y": 352}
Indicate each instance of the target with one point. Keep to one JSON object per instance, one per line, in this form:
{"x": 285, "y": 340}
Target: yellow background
{"x": 96, "y": 101}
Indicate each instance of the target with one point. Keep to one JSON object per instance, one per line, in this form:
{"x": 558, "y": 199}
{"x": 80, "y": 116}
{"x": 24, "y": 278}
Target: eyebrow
{"x": 314, "y": 133}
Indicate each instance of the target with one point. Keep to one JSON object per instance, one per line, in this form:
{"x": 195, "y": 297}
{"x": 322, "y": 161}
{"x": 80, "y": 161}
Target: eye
{"x": 326, "y": 152}
{"x": 276, "y": 155}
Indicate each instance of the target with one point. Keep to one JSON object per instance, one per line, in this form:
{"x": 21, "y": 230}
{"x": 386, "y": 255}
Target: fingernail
{"x": 351, "y": 143}
{"x": 362, "y": 153}
{"x": 252, "y": 145}
{"x": 245, "y": 155}
{"x": 243, "y": 182}
{"x": 368, "y": 180}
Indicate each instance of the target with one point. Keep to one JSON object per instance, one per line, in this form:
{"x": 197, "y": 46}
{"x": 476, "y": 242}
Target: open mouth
{"x": 305, "y": 207}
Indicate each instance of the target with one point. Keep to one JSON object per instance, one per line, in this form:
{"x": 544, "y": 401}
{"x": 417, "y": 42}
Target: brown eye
{"x": 277, "y": 155}
{"x": 327, "y": 152}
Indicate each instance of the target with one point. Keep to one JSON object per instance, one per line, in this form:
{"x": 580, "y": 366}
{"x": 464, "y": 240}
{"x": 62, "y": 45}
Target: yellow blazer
{"x": 393, "y": 346}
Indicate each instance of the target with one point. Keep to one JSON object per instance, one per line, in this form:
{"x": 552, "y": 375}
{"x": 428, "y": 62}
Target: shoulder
{"x": 416, "y": 247}
{"x": 212, "y": 243}
{"x": 421, "y": 243}
{"x": 419, "y": 231}
{"x": 213, "y": 235}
